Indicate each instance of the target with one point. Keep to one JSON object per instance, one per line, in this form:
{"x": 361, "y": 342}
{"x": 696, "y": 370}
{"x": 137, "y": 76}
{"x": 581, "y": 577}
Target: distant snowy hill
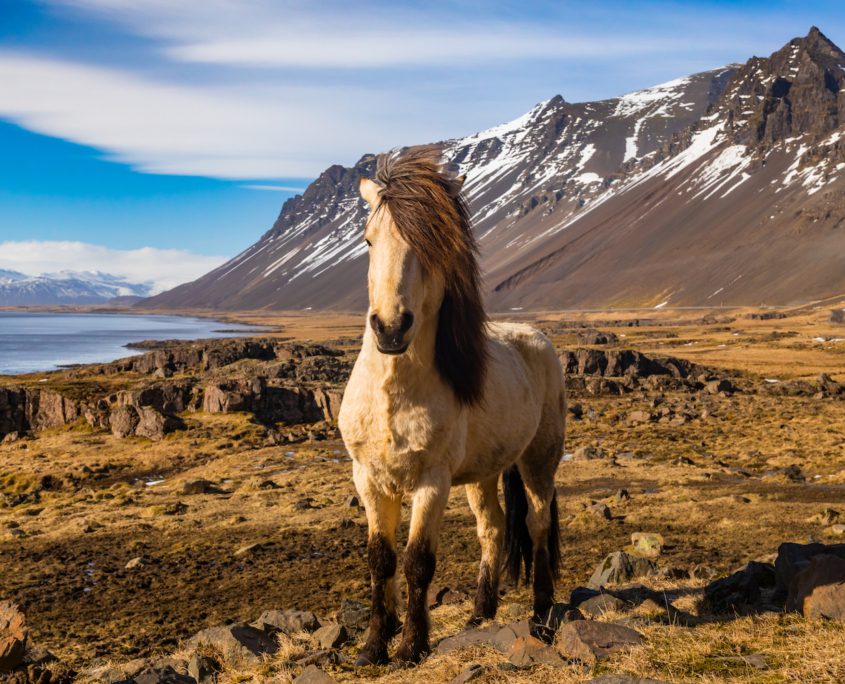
{"x": 723, "y": 187}
{"x": 66, "y": 288}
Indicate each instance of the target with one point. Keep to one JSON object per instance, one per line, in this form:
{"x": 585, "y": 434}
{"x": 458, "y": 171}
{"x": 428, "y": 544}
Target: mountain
{"x": 720, "y": 187}
{"x": 66, "y": 288}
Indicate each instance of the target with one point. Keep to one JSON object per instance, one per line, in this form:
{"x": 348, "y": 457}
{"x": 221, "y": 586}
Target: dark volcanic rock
{"x": 818, "y": 590}
{"x": 590, "y": 641}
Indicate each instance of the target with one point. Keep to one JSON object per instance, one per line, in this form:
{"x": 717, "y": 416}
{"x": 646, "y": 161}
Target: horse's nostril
{"x": 407, "y": 322}
{"x": 376, "y": 324}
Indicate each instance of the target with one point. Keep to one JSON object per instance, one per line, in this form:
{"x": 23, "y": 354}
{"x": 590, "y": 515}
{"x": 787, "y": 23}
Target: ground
{"x": 282, "y": 533}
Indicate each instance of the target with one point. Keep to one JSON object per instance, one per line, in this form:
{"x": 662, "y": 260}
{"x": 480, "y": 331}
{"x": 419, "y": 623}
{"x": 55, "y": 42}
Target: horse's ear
{"x": 369, "y": 191}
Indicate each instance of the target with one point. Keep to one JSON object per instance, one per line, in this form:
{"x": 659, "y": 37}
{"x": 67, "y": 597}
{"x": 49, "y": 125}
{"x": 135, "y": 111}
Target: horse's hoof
{"x": 407, "y": 656}
{"x": 365, "y": 659}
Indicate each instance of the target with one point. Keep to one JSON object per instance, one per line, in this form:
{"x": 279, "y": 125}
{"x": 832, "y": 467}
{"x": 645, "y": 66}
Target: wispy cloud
{"x": 273, "y": 188}
{"x": 164, "y": 268}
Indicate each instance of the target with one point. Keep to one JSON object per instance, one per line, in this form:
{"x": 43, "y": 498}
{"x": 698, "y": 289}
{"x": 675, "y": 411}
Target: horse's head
{"x": 423, "y": 271}
{"x": 401, "y": 293}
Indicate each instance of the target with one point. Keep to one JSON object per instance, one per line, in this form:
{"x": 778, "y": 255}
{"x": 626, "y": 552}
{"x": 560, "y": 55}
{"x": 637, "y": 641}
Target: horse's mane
{"x": 433, "y": 218}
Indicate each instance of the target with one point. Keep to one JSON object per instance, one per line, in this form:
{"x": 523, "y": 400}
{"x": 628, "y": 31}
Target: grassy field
{"x": 280, "y": 533}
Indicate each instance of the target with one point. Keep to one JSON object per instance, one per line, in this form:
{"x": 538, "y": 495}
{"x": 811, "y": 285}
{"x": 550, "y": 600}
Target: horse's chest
{"x": 395, "y": 443}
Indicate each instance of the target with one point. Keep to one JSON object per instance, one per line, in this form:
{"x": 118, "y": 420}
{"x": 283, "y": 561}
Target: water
{"x": 46, "y": 341}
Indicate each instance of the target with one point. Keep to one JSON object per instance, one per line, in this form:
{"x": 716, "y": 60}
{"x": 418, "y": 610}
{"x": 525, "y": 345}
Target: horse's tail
{"x": 519, "y": 549}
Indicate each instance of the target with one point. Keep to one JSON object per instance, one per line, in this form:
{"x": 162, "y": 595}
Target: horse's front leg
{"x": 383, "y": 512}
{"x": 428, "y": 505}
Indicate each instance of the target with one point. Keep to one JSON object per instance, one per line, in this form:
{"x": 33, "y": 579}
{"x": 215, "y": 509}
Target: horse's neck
{"x": 413, "y": 370}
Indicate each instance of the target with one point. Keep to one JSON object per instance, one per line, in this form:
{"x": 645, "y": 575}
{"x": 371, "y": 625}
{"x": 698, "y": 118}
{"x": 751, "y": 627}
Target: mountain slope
{"x": 65, "y": 288}
{"x": 661, "y": 195}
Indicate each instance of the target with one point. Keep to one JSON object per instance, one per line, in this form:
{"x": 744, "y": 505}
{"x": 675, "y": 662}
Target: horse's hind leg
{"x": 537, "y": 466}
{"x": 484, "y": 501}
{"x": 383, "y": 514}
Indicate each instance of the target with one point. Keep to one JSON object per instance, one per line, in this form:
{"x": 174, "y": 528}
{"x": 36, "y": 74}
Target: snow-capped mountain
{"x": 66, "y": 287}
{"x": 720, "y": 187}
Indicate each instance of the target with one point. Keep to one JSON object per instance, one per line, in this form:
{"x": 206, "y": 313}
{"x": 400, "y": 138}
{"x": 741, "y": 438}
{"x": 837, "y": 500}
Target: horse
{"x": 440, "y": 396}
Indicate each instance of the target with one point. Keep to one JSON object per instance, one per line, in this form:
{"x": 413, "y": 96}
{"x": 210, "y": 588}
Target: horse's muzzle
{"x": 390, "y": 339}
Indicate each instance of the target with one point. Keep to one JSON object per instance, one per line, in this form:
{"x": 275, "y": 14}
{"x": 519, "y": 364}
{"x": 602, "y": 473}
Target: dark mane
{"x": 433, "y": 218}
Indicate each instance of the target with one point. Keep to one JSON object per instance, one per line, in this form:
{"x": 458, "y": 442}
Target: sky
{"x": 163, "y": 136}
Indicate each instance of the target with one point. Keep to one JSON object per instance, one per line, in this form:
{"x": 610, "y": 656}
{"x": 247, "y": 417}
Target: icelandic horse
{"x": 439, "y": 397}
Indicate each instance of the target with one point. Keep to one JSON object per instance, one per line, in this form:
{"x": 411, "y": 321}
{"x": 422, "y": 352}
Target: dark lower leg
{"x": 544, "y": 584}
{"x": 383, "y": 620}
{"x": 419, "y": 570}
{"x": 486, "y": 597}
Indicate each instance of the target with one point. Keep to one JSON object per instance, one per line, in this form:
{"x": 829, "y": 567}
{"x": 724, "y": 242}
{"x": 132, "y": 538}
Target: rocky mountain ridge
{"x": 676, "y": 194}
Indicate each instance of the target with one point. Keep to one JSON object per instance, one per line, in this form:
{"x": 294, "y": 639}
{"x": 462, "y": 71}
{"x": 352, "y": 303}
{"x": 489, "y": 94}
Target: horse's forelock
{"x": 431, "y": 215}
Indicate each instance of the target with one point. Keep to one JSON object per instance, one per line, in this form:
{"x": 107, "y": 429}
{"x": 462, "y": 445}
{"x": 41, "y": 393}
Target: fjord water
{"x": 45, "y": 341}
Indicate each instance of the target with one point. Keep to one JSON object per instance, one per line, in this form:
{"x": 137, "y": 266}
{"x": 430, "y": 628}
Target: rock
{"x": 353, "y": 615}
{"x": 587, "y": 453}
{"x": 135, "y": 563}
{"x": 331, "y": 635}
{"x": 741, "y": 591}
{"x": 313, "y": 675}
{"x": 200, "y": 486}
{"x": 503, "y": 638}
{"x": 559, "y": 614}
{"x": 153, "y": 425}
{"x": 352, "y": 502}
{"x": 468, "y": 674}
{"x": 647, "y": 544}
{"x": 527, "y": 651}
{"x": 720, "y": 387}
{"x": 237, "y": 644}
{"x": 13, "y": 636}
{"x": 469, "y": 637}
{"x": 123, "y": 421}
{"x": 323, "y": 657}
{"x": 601, "y": 604}
{"x": 639, "y": 417}
{"x": 838, "y": 529}
{"x": 162, "y": 675}
{"x": 287, "y": 621}
{"x": 590, "y": 641}
{"x": 622, "y": 495}
{"x": 599, "y": 510}
{"x": 203, "y": 669}
{"x": 619, "y": 567}
{"x": 793, "y": 558}
{"x": 837, "y": 316}
{"x": 818, "y": 591}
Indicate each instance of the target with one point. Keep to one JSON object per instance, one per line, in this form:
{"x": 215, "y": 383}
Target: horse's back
{"x": 537, "y": 354}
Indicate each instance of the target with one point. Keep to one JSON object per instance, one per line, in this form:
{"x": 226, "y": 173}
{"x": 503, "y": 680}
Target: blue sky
{"x": 164, "y": 135}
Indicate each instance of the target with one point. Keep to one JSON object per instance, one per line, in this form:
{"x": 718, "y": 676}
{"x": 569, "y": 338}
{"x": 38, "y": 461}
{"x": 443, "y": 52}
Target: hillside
{"x": 722, "y": 187}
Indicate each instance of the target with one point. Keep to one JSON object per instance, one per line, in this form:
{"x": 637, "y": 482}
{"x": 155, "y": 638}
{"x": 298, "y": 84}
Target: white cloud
{"x": 273, "y": 188}
{"x": 164, "y": 268}
{"x": 224, "y": 131}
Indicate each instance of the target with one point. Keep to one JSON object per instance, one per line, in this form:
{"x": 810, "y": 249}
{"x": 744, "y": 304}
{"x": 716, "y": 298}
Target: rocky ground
{"x": 192, "y": 509}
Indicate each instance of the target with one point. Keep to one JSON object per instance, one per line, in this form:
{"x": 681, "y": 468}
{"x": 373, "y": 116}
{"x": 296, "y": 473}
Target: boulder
{"x": 818, "y": 591}
{"x": 527, "y": 651}
{"x": 353, "y": 615}
{"x": 619, "y": 567}
{"x": 741, "y": 591}
{"x": 590, "y": 641}
{"x": 313, "y": 675}
{"x": 287, "y": 621}
{"x": 793, "y": 558}
{"x": 237, "y": 644}
{"x": 203, "y": 669}
{"x": 123, "y": 421}
{"x": 200, "y": 486}
{"x": 837, "y": 316}
{"x": 13, "y": 636}
{"x": 601, "y": 604}
{"x": 331, "y": 635}
{"x": 154, "y": 425}
{"x": 647, "y": 544}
